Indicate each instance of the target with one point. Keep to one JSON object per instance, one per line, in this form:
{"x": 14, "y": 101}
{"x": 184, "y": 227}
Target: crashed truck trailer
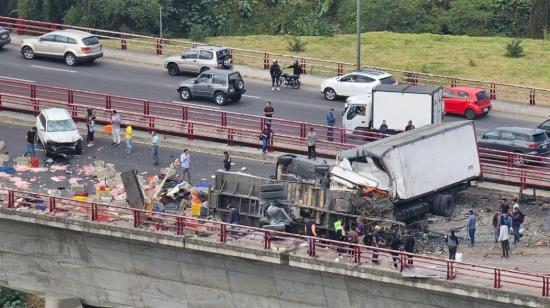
{"x": 402, "y": 177}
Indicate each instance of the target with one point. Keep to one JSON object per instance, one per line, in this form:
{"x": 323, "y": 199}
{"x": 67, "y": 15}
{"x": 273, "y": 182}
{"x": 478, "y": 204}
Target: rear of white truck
{"x": 421, "y": 168}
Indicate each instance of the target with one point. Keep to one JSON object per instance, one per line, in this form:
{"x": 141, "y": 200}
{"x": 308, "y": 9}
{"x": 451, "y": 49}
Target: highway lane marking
{"x": 54, "y": 69}
{"x": 197, "y": 105}
{"x": 251, "y": 96}
{"x": 16, "y": 79}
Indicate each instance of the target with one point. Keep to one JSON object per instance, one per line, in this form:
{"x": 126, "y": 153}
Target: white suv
{"x": 356, "y": 83}
{"x": 57, "y": 132}
{"x": 73, "y": 46}
{"x": 199, "y": 59}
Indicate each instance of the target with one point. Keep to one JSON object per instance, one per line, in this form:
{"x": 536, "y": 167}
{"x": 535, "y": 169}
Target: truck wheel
{"x": 443, "y": 205}
{"x": 272, "y": 187}
{"x": 286, "y": 159}
{"x": 470, "y": 114}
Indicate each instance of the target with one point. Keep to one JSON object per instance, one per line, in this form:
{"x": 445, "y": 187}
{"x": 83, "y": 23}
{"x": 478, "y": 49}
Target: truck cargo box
{"x": 425, "y": 160}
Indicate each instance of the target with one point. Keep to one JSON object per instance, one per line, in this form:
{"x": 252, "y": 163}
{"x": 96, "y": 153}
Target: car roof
{"x": 466, "y": 89}
{"x": 72, "y": 33}
{"x": 210, "y": 47}
{"x": 373, "y": 73}
{"x": 219, "y": 71}
{"x": 55, "y": 114}
{"x": 521, "y": 130}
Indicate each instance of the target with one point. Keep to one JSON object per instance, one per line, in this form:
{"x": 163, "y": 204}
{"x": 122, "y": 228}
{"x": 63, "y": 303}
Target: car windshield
{"x": 388, "y": 80}
{"x": 92, "y": 40}
{"x": 481, "y": 95}
{"x": 539, "y": 137}
{"x": 60, "y": 126}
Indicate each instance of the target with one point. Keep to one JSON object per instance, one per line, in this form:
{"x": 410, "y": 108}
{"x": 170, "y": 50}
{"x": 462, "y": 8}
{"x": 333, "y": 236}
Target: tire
{"x": 330, "y": 94}
{"x": 70, "y": 59}
{"x": 220, "y": 98}
{"x": 286, "y": 159}
{"x": 470, "y": 114}
{"x": 173, "y": 69}
{"x": 443, "y": 205}
{"x": 273, "y": 195}
{"x": 272, "y": 187}
{"x": 28, "y": 53}
{"x": 239, "y": 85}
{"x": 185, "y": 94}
{"x": 296, "y": 84}
{"x": 204, "y": 69}
{"x": 237, "y": 98}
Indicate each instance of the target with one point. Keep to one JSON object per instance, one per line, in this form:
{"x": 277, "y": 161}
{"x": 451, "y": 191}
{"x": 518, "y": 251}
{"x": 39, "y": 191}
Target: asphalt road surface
{"x": 150, "y": 82}
{"x": 203, "y": 165}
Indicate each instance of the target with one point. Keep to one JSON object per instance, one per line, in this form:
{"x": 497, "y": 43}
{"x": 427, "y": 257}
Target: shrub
{"x": 296, "y": 45}
{"x": 514, "y": 49}
{"x": 198, "y": 33}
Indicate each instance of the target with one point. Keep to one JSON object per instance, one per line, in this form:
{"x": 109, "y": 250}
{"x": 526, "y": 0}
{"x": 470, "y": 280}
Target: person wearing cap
{"x": 331, "y": 121}
{"x": 376, "y": 243}
{"x": 155, "y": 142}
{"x": 275, "y": 72}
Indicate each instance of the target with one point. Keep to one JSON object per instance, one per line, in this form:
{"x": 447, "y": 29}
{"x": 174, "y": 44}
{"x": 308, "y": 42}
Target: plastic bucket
{"x": 108, "y": 128}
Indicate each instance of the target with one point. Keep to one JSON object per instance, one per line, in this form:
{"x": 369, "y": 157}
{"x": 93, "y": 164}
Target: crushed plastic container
{"x": 108, "y": 128}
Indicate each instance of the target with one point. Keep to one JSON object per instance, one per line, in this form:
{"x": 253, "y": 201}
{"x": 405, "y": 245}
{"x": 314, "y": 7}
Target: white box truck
{"x": 395, "y": 104}
{"x": 420, "y": 170}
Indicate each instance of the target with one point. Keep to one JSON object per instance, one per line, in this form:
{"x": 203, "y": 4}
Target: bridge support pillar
{"x": 60, "y": 301}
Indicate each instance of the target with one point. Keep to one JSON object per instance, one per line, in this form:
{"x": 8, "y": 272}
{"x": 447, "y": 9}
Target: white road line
{"x": 16, "y": 79}
{"x": 54, "y": 69}
{"x": 197, "y": 105}
{"x": 251, "y": 96}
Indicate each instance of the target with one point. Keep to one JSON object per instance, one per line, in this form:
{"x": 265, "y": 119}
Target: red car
{"x": 467, "y": 101}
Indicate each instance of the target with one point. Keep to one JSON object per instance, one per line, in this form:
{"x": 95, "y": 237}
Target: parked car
{"x": 221, "y": 85}
{"x": 545, "y": 126}
{"x": 57, "y": 132}
{"x": 73, "y": 46}
{"x": 467, "y": 101}
{"x": 199, "y": 59}
{"x": 356, "y": 83}
{"x": 4, "y": 37}
{"x": 532, "y": 141}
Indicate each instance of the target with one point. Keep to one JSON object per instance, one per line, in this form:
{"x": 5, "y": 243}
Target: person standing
{"x": 115, "y": 122}
{"x": 268, "y": 113}
{"x": 155, "y": 143}
{"x": 517, "y": 220}
{"x": 185, "y": 162}
{"x": 375, "y": 244}
{"x": 383, "y": 128}
{"x": 472, "y": 220}
{"x": 361, "y": 231}
{"x": 234, "y": 218}
{"x": 275, "y": 72}
{"x": 128, "y": 134}
{"x": 452, "y": 244}
{"x": 503, "y": 239}
{"x": 311, "y": 142}
{"x": 515, "y": 203}
{"x": 395, "y": 246}
{"x": 496, "y": 224}
{"x": 31, "y": 140}
{"x": 90, "y": 127}
{"x": 226, "y": 161}
{"x": 409, "y": 247}
{"x": 265, "y": 136}
{"x": 331, "y": 121}
{"x": 409, "y": 126}
{"x": 311, "y": 231}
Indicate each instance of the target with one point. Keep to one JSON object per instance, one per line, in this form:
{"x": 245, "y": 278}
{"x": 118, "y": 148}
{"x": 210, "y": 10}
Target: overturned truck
{"x": 396, "y": 179}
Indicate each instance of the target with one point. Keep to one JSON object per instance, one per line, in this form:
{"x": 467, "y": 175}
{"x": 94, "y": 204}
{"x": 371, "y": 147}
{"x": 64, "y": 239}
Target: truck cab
{"x": 357, "y": 112}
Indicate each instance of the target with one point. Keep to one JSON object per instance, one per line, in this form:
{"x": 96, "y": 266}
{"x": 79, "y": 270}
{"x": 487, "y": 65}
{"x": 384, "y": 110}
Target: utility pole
{"x": 160, "y": 17}
{"x": 358, "y": 24}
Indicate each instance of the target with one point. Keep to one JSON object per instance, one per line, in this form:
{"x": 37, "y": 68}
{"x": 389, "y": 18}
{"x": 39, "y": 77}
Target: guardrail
{"x": 262, "y": 59}
{"x": 308, "y": 247}
{"x": 190, "y": 121}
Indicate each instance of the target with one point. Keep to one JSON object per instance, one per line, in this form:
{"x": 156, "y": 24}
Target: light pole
{"x": 160, "y": 21}
{"x": 358, "y": 24}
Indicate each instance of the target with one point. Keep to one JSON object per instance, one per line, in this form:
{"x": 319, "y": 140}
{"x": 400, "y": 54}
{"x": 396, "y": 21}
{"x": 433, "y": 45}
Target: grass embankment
{"x": 459, "y": 56}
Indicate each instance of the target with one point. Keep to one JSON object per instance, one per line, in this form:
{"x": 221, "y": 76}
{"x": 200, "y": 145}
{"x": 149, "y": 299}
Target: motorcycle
{"x": 289, "y": 80}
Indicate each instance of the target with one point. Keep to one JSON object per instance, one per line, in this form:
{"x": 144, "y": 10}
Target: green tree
{"x": 468, "y": 17}
{"x": 539, "y": 20}
{"x": 30, "y": 9}
{"x": 510, "y": 17}
{"x": 8, "y": 8}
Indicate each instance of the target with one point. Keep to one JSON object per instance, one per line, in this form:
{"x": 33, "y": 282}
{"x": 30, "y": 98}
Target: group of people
{"x": 116, "y": 124}
{"x": 275, "y": 72}
{"x": 383, "y": 129}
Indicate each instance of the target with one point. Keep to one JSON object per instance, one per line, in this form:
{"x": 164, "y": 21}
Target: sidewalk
{"x": 310, "y": 81}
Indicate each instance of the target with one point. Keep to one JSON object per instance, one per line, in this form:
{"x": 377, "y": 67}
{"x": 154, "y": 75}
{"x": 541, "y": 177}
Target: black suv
{"x": 532, "y": 141}
{"x": 4, "y": 37}
{"x": 220, "y": 85}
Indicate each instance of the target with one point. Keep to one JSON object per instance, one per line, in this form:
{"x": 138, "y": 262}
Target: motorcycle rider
{"x": 296, "y": 68}
{"x": 275, "y": 72}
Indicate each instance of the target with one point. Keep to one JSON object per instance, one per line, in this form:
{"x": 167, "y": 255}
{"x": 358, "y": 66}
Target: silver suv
{"x": 221, "y": 85}
{"x": 199, "y": 59}
{"x": 73, "y": 46}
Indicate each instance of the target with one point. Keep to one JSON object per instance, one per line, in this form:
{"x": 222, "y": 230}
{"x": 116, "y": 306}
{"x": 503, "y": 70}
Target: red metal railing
{"x": 320, "y": 248}
{"x": 191, "y": 121}
{"x": 526, "y": 94}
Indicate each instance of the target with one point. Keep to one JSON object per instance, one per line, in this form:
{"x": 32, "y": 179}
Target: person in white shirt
{"x": 503, "y": 239}
{"x": 185, "y": 162}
